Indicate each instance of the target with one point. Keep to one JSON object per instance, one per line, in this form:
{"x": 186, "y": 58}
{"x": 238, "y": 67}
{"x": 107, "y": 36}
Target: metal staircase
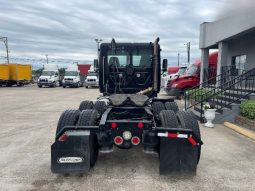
{"x": 226, "y": 91}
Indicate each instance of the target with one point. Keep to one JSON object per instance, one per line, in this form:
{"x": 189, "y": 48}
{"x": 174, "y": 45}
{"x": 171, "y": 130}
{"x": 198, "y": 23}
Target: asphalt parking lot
{"x": 28, "y": 118}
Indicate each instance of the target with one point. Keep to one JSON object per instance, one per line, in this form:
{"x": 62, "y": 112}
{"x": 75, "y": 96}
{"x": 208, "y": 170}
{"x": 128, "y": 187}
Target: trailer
{"x": 4, "y": 74}
{"x": 128, "y": 114}
{"x": 15, "y": 74}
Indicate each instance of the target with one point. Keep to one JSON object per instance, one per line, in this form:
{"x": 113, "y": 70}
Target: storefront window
{"x": 239, "y": 63}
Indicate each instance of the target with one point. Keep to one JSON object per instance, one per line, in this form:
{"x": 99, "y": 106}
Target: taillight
{"x": 140, "y": 125}
{"x": 135, "y": 140}
{"x": 63, "y": 137}
{"x": 114, "y": 125}
{"x": 118, "y": 140}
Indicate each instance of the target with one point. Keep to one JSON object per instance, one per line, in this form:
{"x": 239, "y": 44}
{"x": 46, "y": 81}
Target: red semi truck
{"x": 178, "y": 85}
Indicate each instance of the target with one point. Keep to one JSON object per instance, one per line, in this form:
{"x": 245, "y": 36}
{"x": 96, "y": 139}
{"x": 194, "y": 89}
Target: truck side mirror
{"x": 164, "y": 65}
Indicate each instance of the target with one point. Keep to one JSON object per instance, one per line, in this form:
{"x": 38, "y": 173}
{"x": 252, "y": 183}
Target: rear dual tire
{"x": 88, "y": 118}
{"x": 100, "y": 106}
{"x": 172, "y": 106}
{"x": 188, "y": 121}
{"x": 67, "y": 118}
{"x": 86, "y": 105}
{"x": 157, "y": 107}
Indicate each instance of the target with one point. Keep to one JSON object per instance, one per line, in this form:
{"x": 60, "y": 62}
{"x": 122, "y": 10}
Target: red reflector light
{"x": 135, "y": 140}
{"x": 114, "y": 125}
{"x": 192, "y": 141}
{"x": 172, "y": 135}
{"x": 63, "y": 137}
{"x": 140, "y": 125}
{"x": 118, "y": 140}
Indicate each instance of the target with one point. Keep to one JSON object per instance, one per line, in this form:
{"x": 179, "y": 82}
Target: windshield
{"x": 137, "y": 58}
{"x": 142, "y": 57}
{"x": 182, "y": 71}
{"x": 48, "y": 73}
{"x": 71, "y": 73}
{"x": 92, "y": 74}
{"x": 191, "y": 70}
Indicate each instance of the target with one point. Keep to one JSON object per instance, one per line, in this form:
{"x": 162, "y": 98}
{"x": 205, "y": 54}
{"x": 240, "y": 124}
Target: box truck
{"x": 15, "y": 74}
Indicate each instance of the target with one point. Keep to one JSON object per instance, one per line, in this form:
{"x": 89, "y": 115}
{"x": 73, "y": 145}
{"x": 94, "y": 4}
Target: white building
{"x": 234, "y": 37}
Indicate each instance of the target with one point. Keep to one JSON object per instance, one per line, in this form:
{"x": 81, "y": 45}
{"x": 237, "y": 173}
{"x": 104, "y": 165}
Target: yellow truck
{"x": 15, "y": 74}
{"x": 4, "y": 74}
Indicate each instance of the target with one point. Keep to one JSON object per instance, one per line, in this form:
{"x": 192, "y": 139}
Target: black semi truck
{"x": 127, "y": 114}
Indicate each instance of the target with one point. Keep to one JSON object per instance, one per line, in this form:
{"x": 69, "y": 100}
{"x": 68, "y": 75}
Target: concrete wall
{"x": 214, "y": 32}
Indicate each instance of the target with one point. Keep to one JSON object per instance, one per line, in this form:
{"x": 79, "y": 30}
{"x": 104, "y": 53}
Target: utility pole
{"x": 5, "y": 40}
{"x": 98, "y": 49}
{"x": 188, "y": 51}
{"x": 47, "y": 60}
{"x": 178, "y": 59}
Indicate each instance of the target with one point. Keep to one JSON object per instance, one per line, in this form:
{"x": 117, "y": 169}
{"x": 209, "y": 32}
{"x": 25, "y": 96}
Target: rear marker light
{"x": 140, "y": 125}
{"x": 192, "y": 141}
{"x": 114, "y": 125}
{"x": 135, "y": 140}
{"x": 172, "y": 135}
{"x": 63, "y": 137}
{"x": 118, "y": 140}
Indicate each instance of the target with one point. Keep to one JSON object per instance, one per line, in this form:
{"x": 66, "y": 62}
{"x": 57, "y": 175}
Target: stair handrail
{"x": 217, "y": 78}
{"x": 214, "y": 77}
{"x": 220, "y": 87}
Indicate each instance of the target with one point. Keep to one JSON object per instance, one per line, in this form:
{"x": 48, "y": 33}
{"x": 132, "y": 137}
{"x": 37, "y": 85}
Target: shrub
{"x": 200, "y": 94}
{"x": 248, "y": 109}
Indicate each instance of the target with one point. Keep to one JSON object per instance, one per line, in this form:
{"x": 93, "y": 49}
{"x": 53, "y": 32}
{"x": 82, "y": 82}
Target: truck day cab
{"x": 172, "y": 72}
{"x": 91, "y": 79}
{"x": 178, "y": 85}
{"x": 127, "y": 114}
{"x": 49, "y": 77}
{"x": 72, "y": 77}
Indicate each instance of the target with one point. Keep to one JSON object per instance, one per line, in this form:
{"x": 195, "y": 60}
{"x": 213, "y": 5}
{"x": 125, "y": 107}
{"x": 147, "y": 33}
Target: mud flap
{"x": 71, "y": 156}
{"x": 177, "y": 156}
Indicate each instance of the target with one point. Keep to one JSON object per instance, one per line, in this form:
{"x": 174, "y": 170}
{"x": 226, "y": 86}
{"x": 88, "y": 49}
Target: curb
{"x": 248, "y": 133}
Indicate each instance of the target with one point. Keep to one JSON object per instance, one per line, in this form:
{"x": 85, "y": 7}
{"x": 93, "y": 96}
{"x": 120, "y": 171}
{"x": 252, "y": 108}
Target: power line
{"x": 43, "y": 60}
{"x": 5, "y": 41}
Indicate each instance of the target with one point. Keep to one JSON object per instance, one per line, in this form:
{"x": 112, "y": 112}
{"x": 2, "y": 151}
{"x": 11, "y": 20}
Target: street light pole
{"x": 98, "y": 49}
{"x": 47, "y": 60}
{"x": 5, "y": 40}
{"x": 178, "y": 59}
{"x": 188, "y": 51}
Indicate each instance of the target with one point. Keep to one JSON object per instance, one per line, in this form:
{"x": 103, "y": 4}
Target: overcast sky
{"x": 67, "y": 29}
